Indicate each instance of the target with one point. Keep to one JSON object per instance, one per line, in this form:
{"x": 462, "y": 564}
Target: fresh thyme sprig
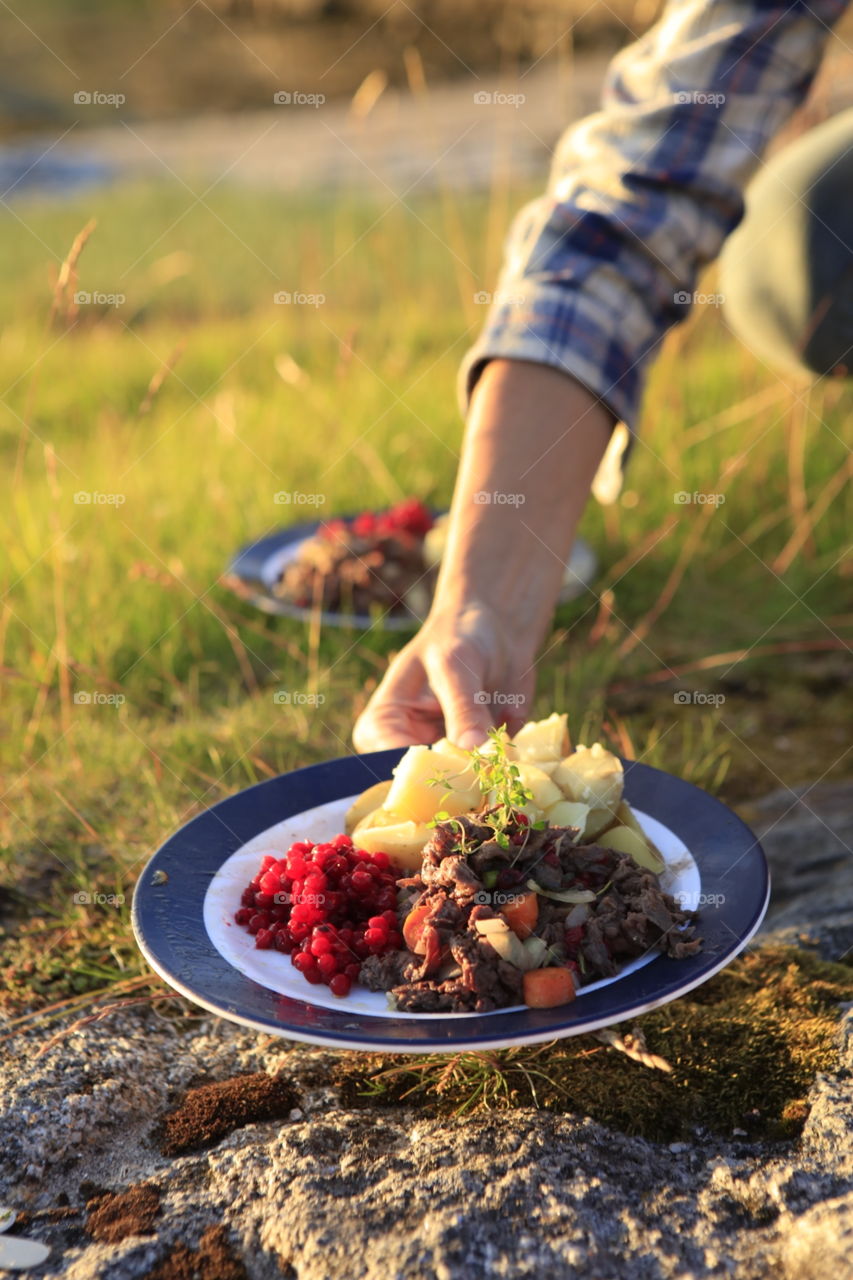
{"x": 499, "y": 778}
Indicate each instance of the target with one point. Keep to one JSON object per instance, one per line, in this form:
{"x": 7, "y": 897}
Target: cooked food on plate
{"x": 514, "y": 874}
{"x": 375, "y": 561}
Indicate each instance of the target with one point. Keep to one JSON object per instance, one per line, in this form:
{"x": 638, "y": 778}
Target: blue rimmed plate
{"x": 183, "y": 918}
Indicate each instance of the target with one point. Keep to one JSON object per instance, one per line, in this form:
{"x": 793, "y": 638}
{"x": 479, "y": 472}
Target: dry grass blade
{"x": 797, "y": 497}
{"x": 73, "y": 1004}
{"x": 688, "y": 550}
{"x": 743, "y": 411}
{"x": 730, "y": 659}
{"x": 159, "y": 378}
{"x": 58, "y": 566}
{"x": 63, "y": 303}
{"x": 368, "y": 94}
{"x": 603, "y": 619}
{"x": 639, "y": 550}
{"x": 809, "y": 519}
{"x": 633, "y": 1044}
{"x": 98, "y": 1016}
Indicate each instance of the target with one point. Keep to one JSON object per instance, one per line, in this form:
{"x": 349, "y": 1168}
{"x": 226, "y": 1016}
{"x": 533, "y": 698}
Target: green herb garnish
{"x": 498, "y": 777}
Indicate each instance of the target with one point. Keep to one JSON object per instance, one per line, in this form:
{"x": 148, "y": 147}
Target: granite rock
{"x": 388, "y": 1194}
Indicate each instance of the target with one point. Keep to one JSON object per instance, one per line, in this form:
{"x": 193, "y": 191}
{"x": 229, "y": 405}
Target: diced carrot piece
{"x": 545, "y": 988}
{"x": 414, "y": 923}
{"x": 522, "y": 914}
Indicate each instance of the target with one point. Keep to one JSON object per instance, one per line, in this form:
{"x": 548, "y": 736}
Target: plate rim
{"x": 394, "y": 1040}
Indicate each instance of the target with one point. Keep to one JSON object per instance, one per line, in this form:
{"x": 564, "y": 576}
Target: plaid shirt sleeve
{"x": 643, "y": 193}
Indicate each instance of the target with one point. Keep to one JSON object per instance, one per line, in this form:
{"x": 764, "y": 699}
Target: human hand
{"x": 462, "y": 673}
{"x": 533, "y": 440}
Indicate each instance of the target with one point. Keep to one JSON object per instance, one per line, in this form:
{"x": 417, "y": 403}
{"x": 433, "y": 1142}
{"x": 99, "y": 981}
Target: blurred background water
{"x": 93, "y": 90}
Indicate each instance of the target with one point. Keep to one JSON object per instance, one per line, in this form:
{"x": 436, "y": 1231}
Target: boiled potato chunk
{"x": 568, "y": 813}
{"x": 487, "y": 748}
{"x": 592, "y": 775}
{"x": 543, "y": 791}
{"x": 624, "y": 840}
{"x": 415, "y": 794}
{"x": 377, "y": 818}
{"x": 598, "y": 820}
{"x": 404, "y": 843}
{"x": 365, "y": 804}
{"x": 626, "y": 817}
{"x": 543, "y": 740}
{"x": 534, "y": 813}
{"x": 446, "y": 747}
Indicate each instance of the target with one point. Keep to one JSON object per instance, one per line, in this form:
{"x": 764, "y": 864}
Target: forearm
{"x": 533, "y": 442}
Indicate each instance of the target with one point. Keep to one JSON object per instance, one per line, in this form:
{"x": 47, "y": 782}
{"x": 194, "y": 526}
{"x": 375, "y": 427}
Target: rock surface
{"x": 388, "y": 1194}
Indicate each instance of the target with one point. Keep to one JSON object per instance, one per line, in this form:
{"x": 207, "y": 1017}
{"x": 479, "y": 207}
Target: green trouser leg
{"x": 787, "y": 271}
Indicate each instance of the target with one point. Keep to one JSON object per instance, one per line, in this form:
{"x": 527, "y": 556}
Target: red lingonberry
{"x": 328, "y": 906}
{"x": 328, "y": 965}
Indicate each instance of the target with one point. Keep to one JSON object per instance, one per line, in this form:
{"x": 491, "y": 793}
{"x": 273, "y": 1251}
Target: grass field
{"x": 182, "y": 411}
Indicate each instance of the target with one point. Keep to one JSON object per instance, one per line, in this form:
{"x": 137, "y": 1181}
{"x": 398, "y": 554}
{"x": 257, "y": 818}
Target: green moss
{"x": 744, "y": 1050}
{"x": 49, "y": 960}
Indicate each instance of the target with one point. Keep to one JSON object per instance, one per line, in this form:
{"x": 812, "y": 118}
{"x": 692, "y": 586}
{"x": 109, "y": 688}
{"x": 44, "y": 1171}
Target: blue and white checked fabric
{"x": 643, "y": 193}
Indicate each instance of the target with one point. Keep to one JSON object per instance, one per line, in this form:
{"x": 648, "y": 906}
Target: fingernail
{"x": 470, "y": 738}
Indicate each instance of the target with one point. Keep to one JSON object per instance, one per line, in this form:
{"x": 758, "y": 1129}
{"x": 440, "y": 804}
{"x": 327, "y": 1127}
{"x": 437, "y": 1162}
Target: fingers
{"x": 456, "y": 676}
{"x": 518, "y": 711}
{"x": 441, "y": 683}
{"x": 383, "y": 728}
{"x": 402, "y": 711}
